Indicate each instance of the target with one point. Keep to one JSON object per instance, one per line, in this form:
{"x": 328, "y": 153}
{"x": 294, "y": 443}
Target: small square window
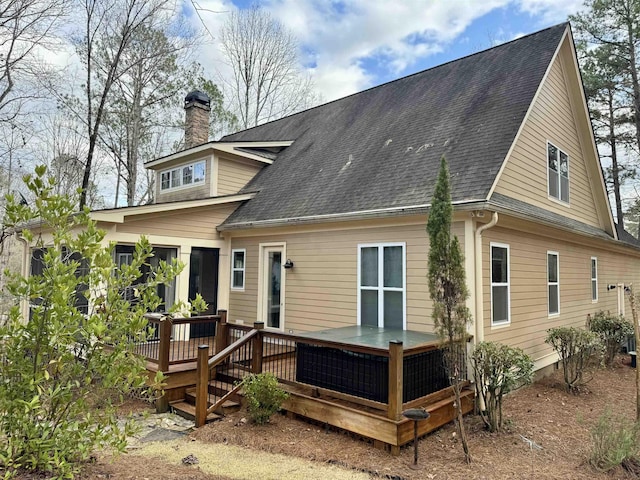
{"x": 198, "y": 172}
{"x": 187, "y": 175}
{"x": 165, "y": 180}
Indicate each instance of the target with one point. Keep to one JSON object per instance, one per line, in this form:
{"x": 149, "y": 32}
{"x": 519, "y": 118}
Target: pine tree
{"x": 448, "y": 290}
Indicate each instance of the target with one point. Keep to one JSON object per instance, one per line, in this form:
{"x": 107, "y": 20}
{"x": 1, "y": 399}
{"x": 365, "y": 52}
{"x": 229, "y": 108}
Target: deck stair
{"x": 217, "y": 389}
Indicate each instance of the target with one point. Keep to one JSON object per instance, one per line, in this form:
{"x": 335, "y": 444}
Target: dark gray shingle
{"x": 381, "y": 148}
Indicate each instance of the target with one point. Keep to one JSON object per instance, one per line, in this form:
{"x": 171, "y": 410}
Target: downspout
{"x": 479, "y": 337}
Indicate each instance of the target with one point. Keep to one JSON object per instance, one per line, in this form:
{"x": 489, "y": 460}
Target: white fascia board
{"x": 228, "y": 147}
{"x": 118, "y": 215}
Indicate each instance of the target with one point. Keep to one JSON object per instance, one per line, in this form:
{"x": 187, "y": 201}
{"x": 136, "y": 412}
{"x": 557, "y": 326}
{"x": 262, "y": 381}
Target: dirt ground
{"x": 543, "y": 413}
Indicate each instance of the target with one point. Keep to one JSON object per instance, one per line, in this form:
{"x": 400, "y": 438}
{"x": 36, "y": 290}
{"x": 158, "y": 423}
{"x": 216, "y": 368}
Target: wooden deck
{"x": 241, "y": 349}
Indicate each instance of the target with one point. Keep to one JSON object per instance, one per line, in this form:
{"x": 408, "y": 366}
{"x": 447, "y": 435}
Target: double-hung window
{"x": 558, "y": 173}
{"x": 238, "y": 269}
{"x": 594, "y": 279}
{"x": 500, "y": 284}
{"x": 381, "y": 285}
{"x": 553, "y": 282}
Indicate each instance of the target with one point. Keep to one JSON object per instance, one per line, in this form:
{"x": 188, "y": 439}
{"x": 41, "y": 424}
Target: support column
{"x": 182, "y": 332}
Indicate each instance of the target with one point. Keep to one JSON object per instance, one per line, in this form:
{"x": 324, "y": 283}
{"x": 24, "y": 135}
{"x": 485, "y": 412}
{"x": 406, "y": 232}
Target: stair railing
{"x": 206, "y": 365}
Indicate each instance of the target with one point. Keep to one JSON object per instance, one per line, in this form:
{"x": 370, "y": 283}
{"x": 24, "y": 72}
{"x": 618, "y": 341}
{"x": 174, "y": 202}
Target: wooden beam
{"x": 165, "y": 345}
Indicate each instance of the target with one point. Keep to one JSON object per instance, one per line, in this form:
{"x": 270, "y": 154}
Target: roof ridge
{"x": 538, "y": 32}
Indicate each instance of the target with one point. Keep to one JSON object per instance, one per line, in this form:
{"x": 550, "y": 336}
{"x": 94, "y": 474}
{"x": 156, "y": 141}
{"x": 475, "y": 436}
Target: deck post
{"x": 221, "y": 340}
{"x": 256, "y": 357}
{"x": 164, "y": 348}
{"x": 202, "y": 385}
{"x": 394, "y": 407}
{"x": 165, "y": 344}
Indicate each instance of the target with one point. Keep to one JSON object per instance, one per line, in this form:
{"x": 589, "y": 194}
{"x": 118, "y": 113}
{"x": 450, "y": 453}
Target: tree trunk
{"x": 635, "y": 84}
{"x": 614, "y": 160}
{"x": 636, "y": 331}
{"x": 461, "y": 430}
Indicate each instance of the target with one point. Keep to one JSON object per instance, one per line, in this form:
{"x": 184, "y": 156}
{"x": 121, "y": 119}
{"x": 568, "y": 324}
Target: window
{"x": 553, "y": 282}
{"x": 558, "y": 172}
{"x": 594, "y": 279}
{"x": 237, "y": 269}
{"x": 500, "y": 290}
{"x": 381, "y": 285}
{"x": 184, "y": 176}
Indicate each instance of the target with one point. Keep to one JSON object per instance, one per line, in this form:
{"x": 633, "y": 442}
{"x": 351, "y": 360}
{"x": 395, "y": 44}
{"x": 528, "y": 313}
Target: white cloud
{"x": 393, "y": 34}
{"x": 551, "y": 11}
{"x": 342, "y": 39}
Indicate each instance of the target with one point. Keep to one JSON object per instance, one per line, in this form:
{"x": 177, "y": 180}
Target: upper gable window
{"x": 558, "y": 173}
{"x": 183, "y": 176}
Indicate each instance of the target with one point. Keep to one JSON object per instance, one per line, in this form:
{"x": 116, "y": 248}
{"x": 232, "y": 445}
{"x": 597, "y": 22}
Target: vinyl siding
{"x": 525, "y": 174}
{"x": 233, "y": 175}
{"x": 198, "y": 223}
{"x": 528, "y": 257}
{"x": 321, "y": 290}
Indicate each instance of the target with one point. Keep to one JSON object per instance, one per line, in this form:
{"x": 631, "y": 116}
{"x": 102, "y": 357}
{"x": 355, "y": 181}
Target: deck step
{"x": 227, "y": 407}
{"x": 188, "y": 411}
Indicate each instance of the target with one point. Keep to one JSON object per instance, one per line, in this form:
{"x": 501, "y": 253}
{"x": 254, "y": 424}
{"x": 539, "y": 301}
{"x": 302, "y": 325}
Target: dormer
{"x": 208, "y": 169}
{"x": 212, "y": 169}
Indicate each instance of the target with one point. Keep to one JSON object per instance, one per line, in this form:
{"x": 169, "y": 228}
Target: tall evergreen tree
{"x": 448, "y": 290}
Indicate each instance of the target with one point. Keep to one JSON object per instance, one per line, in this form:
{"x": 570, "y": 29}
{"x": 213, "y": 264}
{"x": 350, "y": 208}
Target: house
{"x": 317, "y": 221}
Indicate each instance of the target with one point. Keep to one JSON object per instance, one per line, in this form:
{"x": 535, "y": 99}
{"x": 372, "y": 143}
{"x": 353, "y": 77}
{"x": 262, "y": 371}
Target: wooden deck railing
{"x": 175, "y": 340}
{"x": 385, "y": 379}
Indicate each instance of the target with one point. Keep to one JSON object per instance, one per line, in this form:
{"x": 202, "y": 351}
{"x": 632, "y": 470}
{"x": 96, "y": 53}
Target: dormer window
{"x": 558, "y": 173}
{"x": 183, "y": 176}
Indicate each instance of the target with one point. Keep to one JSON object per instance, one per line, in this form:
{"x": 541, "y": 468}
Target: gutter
{"x": 479, "y": 336}
{"x": 461, "y": 205}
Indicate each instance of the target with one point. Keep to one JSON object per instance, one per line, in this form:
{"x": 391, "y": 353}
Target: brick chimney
{"x": 196, "y": 123}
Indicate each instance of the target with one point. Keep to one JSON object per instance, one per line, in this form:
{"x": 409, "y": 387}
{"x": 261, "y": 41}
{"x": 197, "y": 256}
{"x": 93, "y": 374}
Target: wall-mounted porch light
{"x": 288, "y": 264}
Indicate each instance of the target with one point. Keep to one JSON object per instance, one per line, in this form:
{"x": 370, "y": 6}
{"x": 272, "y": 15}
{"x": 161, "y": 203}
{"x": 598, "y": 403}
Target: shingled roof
{"x": 381, "y": 148}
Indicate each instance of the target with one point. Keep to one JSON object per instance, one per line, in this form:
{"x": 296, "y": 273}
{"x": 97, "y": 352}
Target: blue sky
{"x": 351, "y": 45}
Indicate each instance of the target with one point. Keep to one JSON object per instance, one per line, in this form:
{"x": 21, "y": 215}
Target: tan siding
{"x": 185, "y": 193}
{"x": 525, "y": 173}
{"x": 321, "y": 290}
{"x": 529, "y": 317}
{"x": 193, "y": 223}
{"x": 234, "y": 174}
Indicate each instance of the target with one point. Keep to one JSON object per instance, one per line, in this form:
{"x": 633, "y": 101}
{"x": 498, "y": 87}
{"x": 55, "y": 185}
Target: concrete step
{"x": 188, "y": 411}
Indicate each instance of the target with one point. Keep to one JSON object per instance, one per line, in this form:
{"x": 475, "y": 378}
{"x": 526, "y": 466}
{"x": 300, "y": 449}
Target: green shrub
{"x": 614, "y": 442}
{"x": 613, "y": 330}
{"x": 497, "y": 370}
{"x": 264, "y": 396}
{"x": 63, "y": 369}
{"x": 577, "y": 349}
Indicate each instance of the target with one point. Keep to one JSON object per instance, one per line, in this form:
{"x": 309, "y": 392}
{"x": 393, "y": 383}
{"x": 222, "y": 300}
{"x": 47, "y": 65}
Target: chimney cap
{"x": 198, "y": 97}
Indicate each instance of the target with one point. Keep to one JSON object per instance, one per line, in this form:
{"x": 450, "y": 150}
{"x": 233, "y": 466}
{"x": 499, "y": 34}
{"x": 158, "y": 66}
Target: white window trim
{"x": 180, "y": 168}
{"x": 500, "y": 284}
{"x": 549, "y": 252}
{"x": 593, "y": 279}
{"x": 549, "y": 196}
{"x": 381, "y": 288}
{"x": 243, "y": 269}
